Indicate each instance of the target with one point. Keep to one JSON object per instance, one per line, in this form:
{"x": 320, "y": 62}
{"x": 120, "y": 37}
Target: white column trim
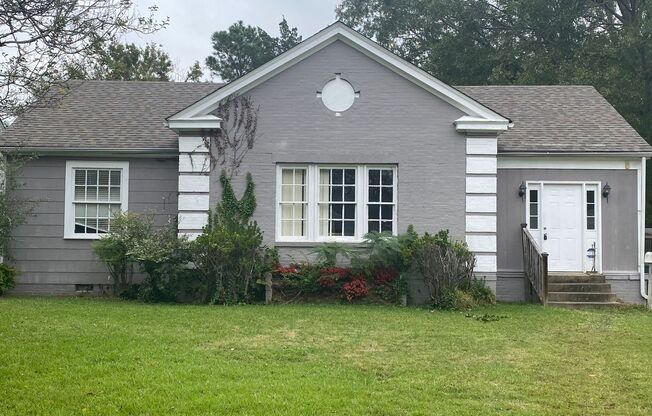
{"x": 193, "y": 186}
{"x": 481, "y": 203}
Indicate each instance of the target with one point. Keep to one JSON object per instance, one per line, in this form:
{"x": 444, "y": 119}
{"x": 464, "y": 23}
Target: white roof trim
{"x": 195, "y": 123}
{"x": 477, "y": 124}
{"x": 332, "y": 33}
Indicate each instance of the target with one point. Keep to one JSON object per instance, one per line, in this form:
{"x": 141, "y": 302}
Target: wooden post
{"x": 268, "y": 288}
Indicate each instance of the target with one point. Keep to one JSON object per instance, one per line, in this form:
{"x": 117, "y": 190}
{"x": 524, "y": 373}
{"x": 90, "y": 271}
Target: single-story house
{"x": 350, "y": 139}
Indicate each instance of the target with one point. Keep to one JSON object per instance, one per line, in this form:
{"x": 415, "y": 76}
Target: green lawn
{"x": 84, "y": 356}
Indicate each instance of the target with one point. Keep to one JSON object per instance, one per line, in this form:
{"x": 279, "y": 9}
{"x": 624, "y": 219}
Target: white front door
{"x": 562, "y": 226}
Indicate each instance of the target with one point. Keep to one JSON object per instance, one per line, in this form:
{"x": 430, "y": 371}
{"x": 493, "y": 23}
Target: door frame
{"x": 587, "y": 235}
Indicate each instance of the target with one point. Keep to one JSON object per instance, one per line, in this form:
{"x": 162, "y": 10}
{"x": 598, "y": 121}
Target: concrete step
{"x": 575, "y": 278}
{"x": 580, "y": 287}
{"x": 584, "y": 305}
{"x": 589, "y": 297}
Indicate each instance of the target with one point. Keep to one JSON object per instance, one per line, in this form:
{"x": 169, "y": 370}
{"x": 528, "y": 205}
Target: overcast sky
{"x": 192, "y": 22}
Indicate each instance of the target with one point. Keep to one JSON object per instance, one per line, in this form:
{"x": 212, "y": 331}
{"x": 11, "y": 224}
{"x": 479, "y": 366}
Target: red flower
{"x": 326, "y": 282}
{"x": 356, "y": 288}
{"x": 289, "y": 270}
{"x": 335, "y": 273}
{"x": 385, "y": 276}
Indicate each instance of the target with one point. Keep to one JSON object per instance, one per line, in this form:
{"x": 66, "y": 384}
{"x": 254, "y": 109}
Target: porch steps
{"x": 580, "y": 291}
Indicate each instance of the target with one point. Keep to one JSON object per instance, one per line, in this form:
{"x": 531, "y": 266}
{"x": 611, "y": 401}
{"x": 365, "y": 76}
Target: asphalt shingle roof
{"x": 130, "y": 115}
{"x": 558, "y": 118}
{"x": 105, "y": 115}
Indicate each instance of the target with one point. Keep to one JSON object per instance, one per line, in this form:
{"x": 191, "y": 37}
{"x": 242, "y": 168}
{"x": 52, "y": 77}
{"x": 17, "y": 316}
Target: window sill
{"x": 83, "y": 236}
{"x": 349, "y": 243}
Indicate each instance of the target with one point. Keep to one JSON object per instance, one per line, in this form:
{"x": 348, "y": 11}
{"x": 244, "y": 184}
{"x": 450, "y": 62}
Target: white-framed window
{"x": 318, "y": 203}
{"x": 95, "y": 191}
{"x": 534, "y": 209}
{"x": 590, "y": 209}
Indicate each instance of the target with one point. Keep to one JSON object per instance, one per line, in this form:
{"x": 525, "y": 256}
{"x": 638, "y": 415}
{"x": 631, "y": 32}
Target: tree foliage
{"x": 38, "y": 38}
{"x": 242, "y": 48}
{"x": 194, "y": 73}
{"x": 125, "y": 62}
{"x": 605, "y": 43}
{"x": 14, "y": 206}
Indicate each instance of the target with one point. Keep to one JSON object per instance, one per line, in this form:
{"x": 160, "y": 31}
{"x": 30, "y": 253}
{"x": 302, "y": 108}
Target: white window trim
{"x": 312, "y": 215}
{"x": 69, "y": 209}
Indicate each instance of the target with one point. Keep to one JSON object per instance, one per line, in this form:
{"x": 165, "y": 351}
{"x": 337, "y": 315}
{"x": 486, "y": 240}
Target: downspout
{"x": 641, "y": 231}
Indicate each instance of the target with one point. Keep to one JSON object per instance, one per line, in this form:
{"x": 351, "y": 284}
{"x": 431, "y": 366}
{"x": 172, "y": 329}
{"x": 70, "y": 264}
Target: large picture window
{"x": 335, "y": 203}
{"x": 95, "y": 192}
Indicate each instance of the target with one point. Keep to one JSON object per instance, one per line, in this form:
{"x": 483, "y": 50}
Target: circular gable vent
{"x": 338, "y": 94}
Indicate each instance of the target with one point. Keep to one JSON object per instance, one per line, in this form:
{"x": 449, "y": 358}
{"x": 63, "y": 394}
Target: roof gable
{"x": 478, "y": 117}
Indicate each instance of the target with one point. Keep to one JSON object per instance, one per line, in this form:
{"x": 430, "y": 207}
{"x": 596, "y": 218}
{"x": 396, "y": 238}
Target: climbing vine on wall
{"x": 237, "y": 134}
{"x": 241, "y": 209}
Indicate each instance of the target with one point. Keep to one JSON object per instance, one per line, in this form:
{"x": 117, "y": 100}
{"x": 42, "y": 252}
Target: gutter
{"x": 563, "y": 154}
{"x": 73, "y": 151}
{"x": 641, "y": 233}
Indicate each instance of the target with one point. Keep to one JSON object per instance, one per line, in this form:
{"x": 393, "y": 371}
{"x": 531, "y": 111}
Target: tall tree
{"x": 38, "y": 36}
{"x": 195, "y": 73}
{"x": 605, "y": 43}
{"x": 240, "y": 49}
{"x": 125, "y": 62}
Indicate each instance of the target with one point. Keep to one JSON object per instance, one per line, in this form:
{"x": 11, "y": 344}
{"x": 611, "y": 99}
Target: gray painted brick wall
{"x": 393, "y": 121}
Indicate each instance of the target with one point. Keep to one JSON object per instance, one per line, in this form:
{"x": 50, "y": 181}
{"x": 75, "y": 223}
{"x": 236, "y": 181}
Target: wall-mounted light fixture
{"x": 606, "y": 190}
{"x": 522, "y": 189}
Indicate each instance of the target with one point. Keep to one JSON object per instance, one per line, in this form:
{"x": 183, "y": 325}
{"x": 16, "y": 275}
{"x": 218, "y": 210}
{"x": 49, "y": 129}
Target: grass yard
{"x": 85, "y": 356}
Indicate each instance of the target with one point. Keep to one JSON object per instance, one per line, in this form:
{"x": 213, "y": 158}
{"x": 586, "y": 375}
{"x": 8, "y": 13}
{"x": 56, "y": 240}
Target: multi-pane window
{"x": 337, "y": 202}
{"x": 324, "y": 203}
{"x": 534, "y": 209}
{"x": 590, "y": 209}
{"x": 96, "y": 192}
{"x": 380, "y": 200}
{"x": 294, "y": 202}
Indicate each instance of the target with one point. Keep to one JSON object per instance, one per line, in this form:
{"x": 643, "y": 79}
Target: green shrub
{"x": 14, "y": 207}
{"x": 455, "y": 300}
{"x": 443, "y": 264}
{"x": 230, "y": 254}
{"x": 231, "y": 257}
{"x": 135, "y": 241}
{"x": 113, "y": 249}
{"x": 481, "y": 293}
{"x": 163, "y": 256}
{"x": 8, "y": 276}
{"x": 328, "y": 254}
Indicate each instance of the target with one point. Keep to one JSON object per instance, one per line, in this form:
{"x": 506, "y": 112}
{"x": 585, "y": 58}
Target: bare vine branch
{"x": 237, "y": 135}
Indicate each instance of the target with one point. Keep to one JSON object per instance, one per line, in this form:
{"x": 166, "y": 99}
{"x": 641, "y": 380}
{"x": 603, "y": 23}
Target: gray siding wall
{"x": 393, "y": 121}
{"x": 619, "y": 227}
{"x": 50, "y": 264}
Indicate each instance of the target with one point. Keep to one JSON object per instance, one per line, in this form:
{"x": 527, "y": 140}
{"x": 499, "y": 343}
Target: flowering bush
{"x": 384, "y": 276}
{"x": 355, "y": 289}
{"x": 327, "y": 282}
{"x": 336, "y": 273}
{"x": 288, "y": 271}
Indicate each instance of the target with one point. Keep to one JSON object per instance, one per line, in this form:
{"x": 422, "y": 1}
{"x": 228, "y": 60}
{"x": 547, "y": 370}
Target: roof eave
{"x": 206, "y": 122}
{"x": 607, "y": 153}
{"x": 467, "y": 124}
